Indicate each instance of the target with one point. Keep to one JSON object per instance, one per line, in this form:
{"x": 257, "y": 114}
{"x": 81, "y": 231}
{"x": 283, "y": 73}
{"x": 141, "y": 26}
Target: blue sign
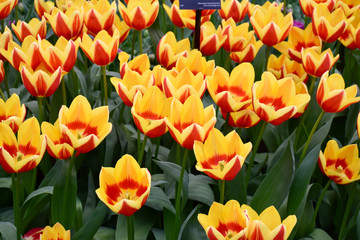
{"x": 200, "y": 4}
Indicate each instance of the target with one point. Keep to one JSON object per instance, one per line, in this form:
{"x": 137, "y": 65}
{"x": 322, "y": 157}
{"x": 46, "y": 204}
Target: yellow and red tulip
{"x": 316, "y": 63}
{"x": 196, "y": 63}
{"x": 131, "y": 83}
{"x": 270, "y": 25}
{"x": 307, "y": 6}
{"x": 184, "y": 85}
{"x": 35, "y": 27}
{"x": 12, "y": 113}
{"x": 139, "y": 14}
{"x": 2, "y": 71}
{"x": 248, "y": 54}
{"x": 139, "y": 64}
{"x": 121, "y": 26}
{"x": 342, "y": 165}
{"x": 234, "y": 9}
{"x": 229, "y": 92}
{"x": 33, "y": 234}
{"x": 358, "y": 124}
{"x": 64, "y": 5}
{"x": 268, "y": 224}
{"x": 57, "y": 145}
{"x": 275, "y": 101}
{"x": 227, "y": 221}
{"x": 211, "y": 39}
{"x": 221, "y": 157}
{"x": 82, "y": 127}
{"x": 63, "y": 54}
{"x": 102, "y": 50}
{"x": 159, "y": 74}
{"x": 190, "y": 121}
{"x": 68, "y": 24}
{"x": 351, "y": 37}
{"x": 329, "y": 26}
{"x": 348, "y": 6}
{"x": 40, "y": 82}
{"x": 169, "y": 50}
{"x": 42, "y": 6}
{"x": 252, "y": 7}
{"x": 57, "y": 232}
{"x": 244, "y": 118}
{"x": 149, "y": 112}
{"x": 237, "y": 37}
{"x": 299, "y": 39}
{"x": 332, "y": 96}
{"x": 24, "y": 153}
{"x": 6, "y": 6}
{"x": 5, "y": 38}
{"x": 125, "y": 188}
{"x": 99, "y": 15}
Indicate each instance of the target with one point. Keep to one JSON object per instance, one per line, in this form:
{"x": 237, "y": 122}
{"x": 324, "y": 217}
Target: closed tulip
{"x": 35, "y": 28}
{"x": 249, "y": 53}
{"x": 42, "y": 6}
{"x": 139, "y": 14}
{"x": 102, "y": 50}
{"x": 99, "y": 15}
{"x": 139, "y": 64}
{"x": 196, "y": 63}
{"x": 84, "y": 128}
{"x": 190, "y": 121}
{"x": 5, "y": 38}
{"x": 316, "y": 63}
{"x": 233, "y": 9}
{"x": 351, "y": 37}
{"x": 227, "y": 221}
{"x": 6, "y": 6}
{"x": 12, "y": 112}
{"x": 275, "y": 101}
{"x": 169, "y": 50}
{"x": 25, "y": 152}
{"x": 125, "y": 188}
{"x": 221, "y": 157}
{"x": 211, "y": 39}
{"x": 237, "y": 37}
{"x": 350, "y": 7}
{"x": 244, "y": 118}
{"x": 121, "y": 26}
{"x": 232, "y": 92}
{"x": 57, "y": 232}
{"x": 342, "y": 165}
{"x": 252, "y": 7}
{"x": 307, "y": 6}
{"x": 332, "y": 96}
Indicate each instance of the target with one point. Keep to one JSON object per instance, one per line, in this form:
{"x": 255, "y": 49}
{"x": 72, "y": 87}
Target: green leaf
{"x": 105, "y": 233}
{"x": 199, "y": 190}
{"x": 52, "y": 176}
{"x": 44, "y": 190}
{"x": 169, "y": 226}
{"x": 158, "y": 200}
{"x": 358, "y": 225}
{"x": 5, "y": 182}
{"x": 276, "y": 184}
{"x": 91, "y": 199}
{"x": 301, "y": 180}
{"x": 158, "y": 234}
{"x": 234, "y": 188}
{"x": 7, "y": 231}
{"x": 185, "y": 223}
{"x": 319, "y": 234}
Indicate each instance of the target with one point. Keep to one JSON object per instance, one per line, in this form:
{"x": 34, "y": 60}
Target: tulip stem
{"x": 158, "y": 141}
{"x": 182, "y": 33}
{"x": 347, "y": 211}
{"x": 267, "y": 55}
{"x": 222, "y": 190}
{"x": 256, "y": 146}
{"x": 2, "y": 25}
{"x": 130, "y": 227}
{"x": 75, "y": 80}
{"x": 66, "y": 199}
{"x": 63, "y": 92}
{"x": 40, "y": 103}
{"x": 16, "y": 13}
{"x": 178, "y": 193}
{"x": 284, "y": 10}
{"x": 7, "y": 86}
{"x": 312, "y": 83}
{"x": 103, "y": 72}
{"x": 133, "y": 45}
{"x": 16, "y": 201}
{"x": 2, "y": 94}
{"x": 319, "y": 203}
{"x": 140, "y": 42}
{"x": 142, "y": 150}
{"x": 310, "y": 136}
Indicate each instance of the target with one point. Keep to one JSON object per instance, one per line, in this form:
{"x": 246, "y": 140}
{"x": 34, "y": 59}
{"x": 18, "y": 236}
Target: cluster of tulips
{"x": 169, "y": 97}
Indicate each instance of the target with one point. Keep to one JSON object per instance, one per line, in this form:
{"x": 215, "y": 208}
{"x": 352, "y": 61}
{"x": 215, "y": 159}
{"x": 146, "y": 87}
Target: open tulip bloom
{"x": 12, "y": 113}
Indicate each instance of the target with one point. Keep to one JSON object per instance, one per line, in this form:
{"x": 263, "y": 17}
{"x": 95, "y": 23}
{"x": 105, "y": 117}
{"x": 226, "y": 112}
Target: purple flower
{"x": 299, "y": 24}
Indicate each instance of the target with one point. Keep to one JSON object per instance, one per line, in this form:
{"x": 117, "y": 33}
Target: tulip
{"x": 42, "y": 7}
{"x": 329, "y": 26}
{"x": 270, "y": 25}
{"x": 351, "y": 37}
{"x": 232, "y": 93}
{"x": 184, "y": 85}
{"x": 237, "y": 37}
{"x": 139, "y": 64}
{"x": 275, "y": 101}
{"x": 268, "y": 224}
{"x": 316, "y": 63}
{"x": 196, "y": 63}
{"x": 99, "y": 15}
{"x": 244, "y": 118}
{"x": 12, "y": 113}
{"x": 64, "y": 5}
{"x": 68, "y": 24}
{"x": 307, "y": 6}
{"x": 342, "y": 165}
{"x": 169, "y": 50}
{"x": 221, "y": 157}
{"x": 149, "y": 112}
{"x": 211, "y": 39}
{"x": 227, "y": 221}
{"x": 82, "y": 127}
{"x": 57, "y": 145}
{"x": 267, "y": 5}
{"x": 358, "y": 124}
{"x": 2, "y": 71}
{"x": 24, "y": 153}
{"x": 139, "y": 14}
{"x": 121, "y": 26}
{"x": 5, "y": 38}
{"x": 350, "y": 7}
{"x": 33, "y": 234}
{"x": 57, "y": 232}
{"x": 125, "y": 188}
{"x": 159, "y": 73}
{"x": 299, "y": 39}
{"x": 332, "y": 95}
{"x": 40, "y": 82}
{"x": 190, "y": 121}
{"x": 63, "y": 54}
{"x": 103, "y": 49}
{"x": 233, "y": 9}
{"x": 6, "y": 6}
{"x": 35, "y": 27}
{"x": 248, "y": 54}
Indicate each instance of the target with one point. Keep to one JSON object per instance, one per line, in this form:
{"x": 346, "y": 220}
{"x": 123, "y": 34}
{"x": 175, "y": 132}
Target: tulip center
{"x": 222, "y": 165}
{"x": 229, "y": 235}
{"x": 339, "y": 169}
{"x": 127, "y": 195}
{"x": 19, "y": 157}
